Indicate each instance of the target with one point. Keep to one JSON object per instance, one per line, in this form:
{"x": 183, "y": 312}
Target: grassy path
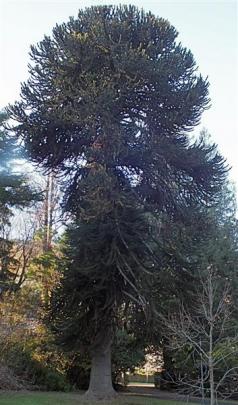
{"x": 149, "y": 390}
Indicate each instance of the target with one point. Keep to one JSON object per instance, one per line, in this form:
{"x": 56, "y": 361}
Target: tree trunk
{"x": 211, "y": 337}
{"x": 46, "y": 216}
{"x": 100, "y": 386}
{"x": 212, "y": 390}
{"x": 52, "y": 202}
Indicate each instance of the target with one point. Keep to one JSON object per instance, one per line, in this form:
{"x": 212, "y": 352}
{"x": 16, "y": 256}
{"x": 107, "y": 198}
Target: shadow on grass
{"x": 56, "y": 398}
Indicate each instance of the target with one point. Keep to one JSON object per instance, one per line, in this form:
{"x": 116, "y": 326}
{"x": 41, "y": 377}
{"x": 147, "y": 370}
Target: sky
{"x": 209, "y": 28}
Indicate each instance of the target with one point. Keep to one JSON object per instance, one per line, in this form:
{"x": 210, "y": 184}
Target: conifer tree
{"x": 15, "y": 192}
{"x": 14, "y": 189}
{"x": 109, "y": 104}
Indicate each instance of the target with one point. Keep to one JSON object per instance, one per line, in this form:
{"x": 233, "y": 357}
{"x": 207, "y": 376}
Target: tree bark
{"x": 100, "y": 386}
{"x": 212, "y": 393}
{"x": 211, "y": 337}
{"x": 52, "y": 202}
{"x": 46, "y": 216}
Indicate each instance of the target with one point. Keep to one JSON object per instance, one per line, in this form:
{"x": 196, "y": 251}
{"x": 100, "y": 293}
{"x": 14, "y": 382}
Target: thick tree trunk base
{"x": 100, "y": 386}
{"x": 100, "y": 396}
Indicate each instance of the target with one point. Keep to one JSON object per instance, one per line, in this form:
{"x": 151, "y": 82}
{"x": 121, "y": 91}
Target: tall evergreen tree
{"x": 109, "y": 104}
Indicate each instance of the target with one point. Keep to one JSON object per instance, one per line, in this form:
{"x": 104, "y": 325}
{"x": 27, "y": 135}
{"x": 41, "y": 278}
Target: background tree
{"x": 51, "y": 211}
{"x": 15, "y": 193}
{"x": 27, "y": 355}
{"x": 109, "y": 104}
{"x": 204, "y": 238}
{"x": 14, "y": 190}
{"x": 210, "y": 338}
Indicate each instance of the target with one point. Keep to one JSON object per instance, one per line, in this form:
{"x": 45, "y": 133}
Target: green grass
{"x": 56, "y": 398}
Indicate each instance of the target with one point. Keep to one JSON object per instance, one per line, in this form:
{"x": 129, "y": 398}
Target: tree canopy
{"x": 114, "y": 89}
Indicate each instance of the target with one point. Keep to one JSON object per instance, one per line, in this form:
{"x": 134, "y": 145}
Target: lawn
{"x": 56, "y": 398}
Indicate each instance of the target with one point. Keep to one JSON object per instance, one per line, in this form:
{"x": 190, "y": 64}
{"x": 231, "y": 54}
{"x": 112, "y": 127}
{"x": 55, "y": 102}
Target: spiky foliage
{"x": 109, "y": 103}
{"x": 107, "y": 264}
{"x": 113, "y": 87}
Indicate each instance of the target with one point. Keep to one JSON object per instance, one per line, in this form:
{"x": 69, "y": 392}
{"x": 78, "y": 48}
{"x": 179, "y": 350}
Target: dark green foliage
{"x": 114, "y": 88}
{"x": 205, "y": 239}
{"x": 36, "y": 374}
{"x": 109, "y": 258}
{"x": 109, "y": 104}
{"x": 127, "y": 354}
{"x": 198, "y": 238}
{"x": 78, "y": 370}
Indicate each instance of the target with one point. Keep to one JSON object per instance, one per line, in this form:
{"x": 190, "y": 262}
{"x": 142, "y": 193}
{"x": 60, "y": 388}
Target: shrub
{"x": 8, "y": 380}
{"x": 26, "y": 346}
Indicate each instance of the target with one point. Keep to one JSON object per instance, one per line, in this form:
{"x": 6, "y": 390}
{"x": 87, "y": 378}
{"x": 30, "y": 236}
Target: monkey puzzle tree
{"x": 109, "y": 103}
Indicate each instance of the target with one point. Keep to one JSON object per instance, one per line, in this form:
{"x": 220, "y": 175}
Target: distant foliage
{"x": 15, "y": 192}
{"x": 26, "y": 346}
